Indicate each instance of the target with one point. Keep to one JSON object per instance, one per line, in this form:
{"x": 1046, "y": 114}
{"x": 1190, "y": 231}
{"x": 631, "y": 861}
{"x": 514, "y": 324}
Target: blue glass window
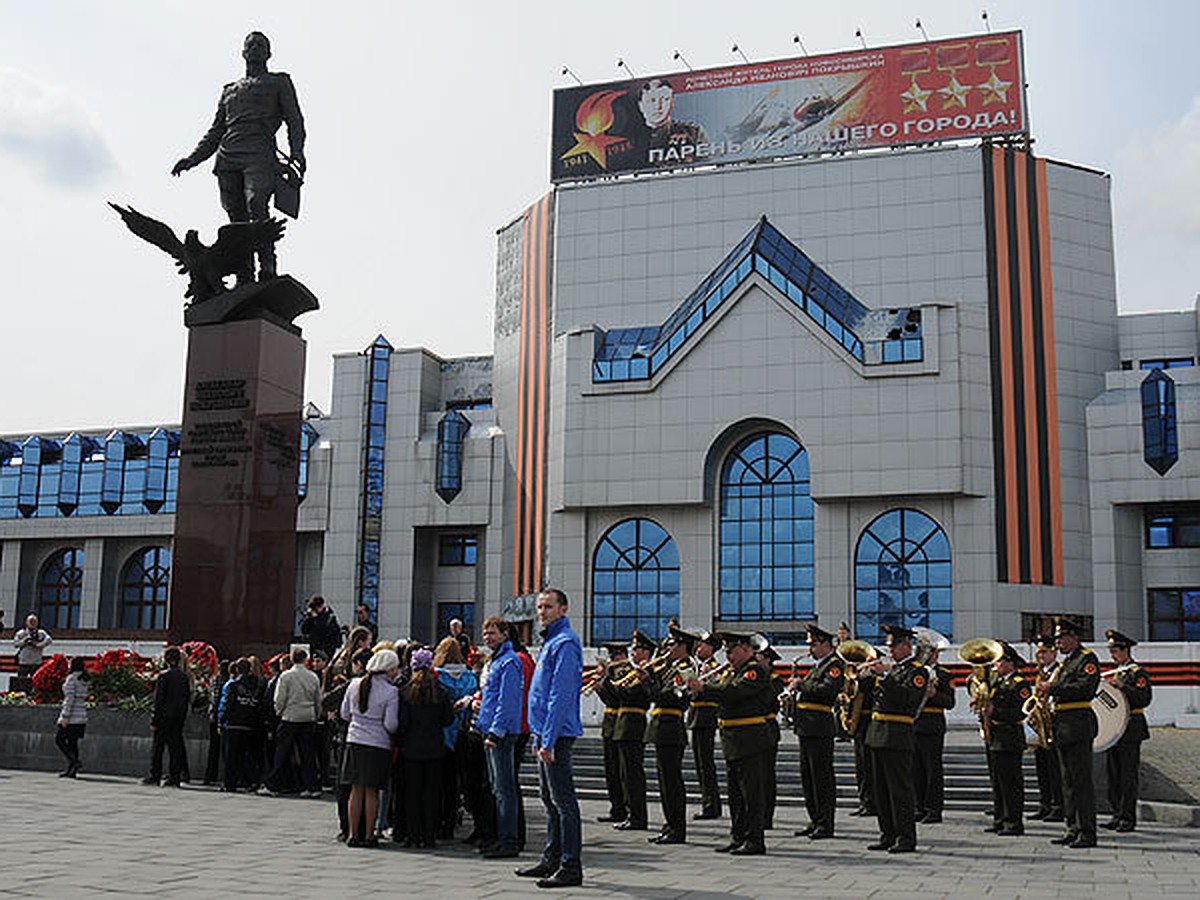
{"x": 120, "y": 448}
{"x": 1173, "y": 526}
{"x": 635, "y": 581}
{"x": 60, "y": 589}
{"x": 452, "y": 432}
{"x": 1160, "y": 437}
{"x": 308, "y": 439}
{"x": 1178, "y": 362}
{"x": 902, "y": 575}
{"x": 37, "y": 456}
{"x": 160, "y": 447}
{"x": 145, "y": 580}
{"x": 457, "y": 549}
{"x": 1174, "y": 614}
{"x": 766, "y": 531}
{"x": 377, "y": 367}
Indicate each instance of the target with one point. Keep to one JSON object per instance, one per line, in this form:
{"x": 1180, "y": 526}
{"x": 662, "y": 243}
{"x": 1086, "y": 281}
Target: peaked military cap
{"x": 897, "y": 633}
{"x": 1011, "y": 654}
{"x": 641, "y": 640}
{"x": 679, "y": 636}
{"x": 615, "y": 648}
{"x": 1044, "y": 641}
{"x": 1063, "y": 625}
{"x": 709, "y": 638}
{"x": 816, "y": 633}
{"x": 1118, "y": 640}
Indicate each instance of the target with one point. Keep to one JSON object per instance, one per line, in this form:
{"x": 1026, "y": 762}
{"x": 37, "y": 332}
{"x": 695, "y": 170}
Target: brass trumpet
{"x": 982, "y": 654}
{"x": 593, "y": 680}
{"x": 657, "y": 663}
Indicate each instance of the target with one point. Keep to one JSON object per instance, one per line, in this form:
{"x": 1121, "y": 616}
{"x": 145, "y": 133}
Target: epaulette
{"x": 1086, "y": 652}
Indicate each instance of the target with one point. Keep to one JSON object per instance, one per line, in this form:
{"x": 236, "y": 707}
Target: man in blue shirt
{"x": 499, "y": 721}
{"x": 554, "y": 724}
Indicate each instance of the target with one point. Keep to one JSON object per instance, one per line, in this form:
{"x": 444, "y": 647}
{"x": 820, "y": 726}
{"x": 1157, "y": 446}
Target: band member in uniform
{"x": 1123, "y": 759}
{"x": 632, "y": 700}
{"x": 702, "y": 720}
{"x": 618, "y": 665}
{"x": 1074, "y": 731}
{"x": 746, "y": 703}
{"x": 1049, "y": 776}
{"x": 863, "y": 774}
{"x": 669, "y": 737}
{"x": 815, "y": 694}
{"x": 930, "y": 730}
{"x": 1006, "y": 744}
{"x": 897, "y": 695}
{"x": 769, "y": 656}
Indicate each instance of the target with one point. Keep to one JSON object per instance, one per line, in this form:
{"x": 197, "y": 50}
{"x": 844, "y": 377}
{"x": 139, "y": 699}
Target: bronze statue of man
{"x": 242, "y": 136}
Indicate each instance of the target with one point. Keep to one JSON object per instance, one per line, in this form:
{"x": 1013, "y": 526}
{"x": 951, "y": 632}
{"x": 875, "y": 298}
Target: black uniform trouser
{"x": 1049, "y": 778}
{"x": 212, "y": 767}
{"x": 891, "y": 779}
{"x": 929, "y": 779}
{"x": 703, "y": 744}
{"x": 168, "y": 734}
{"x": 770, "y": 786}
{"x": 817, "y": 778}
{"x": 864, "y": 775}
{"x": 1122, "y": 762}
{"x": 241, "y": 762}
{"x": 633, "y": 779}
{"x": 669, "y": 764}
{"x": 612, "y": 781}
{"x": 1079, "y": 793}
{"x": 1008, "y": 788}
{"x": 747, "y": 797}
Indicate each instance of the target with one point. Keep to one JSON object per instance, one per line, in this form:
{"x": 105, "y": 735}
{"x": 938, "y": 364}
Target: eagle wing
{"x": 151, "y": 230}
{"x": 238, "y": 240}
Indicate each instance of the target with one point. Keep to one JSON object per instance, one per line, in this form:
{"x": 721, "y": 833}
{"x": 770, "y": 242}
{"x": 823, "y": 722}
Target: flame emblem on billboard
{"x": 592, "y": 120}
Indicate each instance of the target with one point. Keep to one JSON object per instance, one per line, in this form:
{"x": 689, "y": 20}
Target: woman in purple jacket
{"x": 372, "y": 707}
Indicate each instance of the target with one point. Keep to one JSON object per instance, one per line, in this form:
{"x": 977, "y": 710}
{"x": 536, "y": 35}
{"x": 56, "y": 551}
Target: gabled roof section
{"x": 873, "y": 337}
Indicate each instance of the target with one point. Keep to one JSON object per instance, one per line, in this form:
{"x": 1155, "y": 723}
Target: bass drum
{"x": 1112, "y": 715}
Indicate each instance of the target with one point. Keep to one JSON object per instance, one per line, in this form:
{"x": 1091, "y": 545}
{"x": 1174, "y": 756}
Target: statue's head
{"x": 256, "y": 48}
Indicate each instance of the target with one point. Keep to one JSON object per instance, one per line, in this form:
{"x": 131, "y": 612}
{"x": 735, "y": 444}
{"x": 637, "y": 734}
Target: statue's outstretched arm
{"x": 208, "y": 144}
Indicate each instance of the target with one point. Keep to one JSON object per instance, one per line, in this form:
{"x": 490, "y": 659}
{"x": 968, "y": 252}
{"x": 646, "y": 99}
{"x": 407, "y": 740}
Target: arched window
{"x": 766, "y": 531}
{"x": 144, "y": 582}
{"x": 635, "y": 581}
{"x": 902, "y": 575}
{"x": 60, "y": 589}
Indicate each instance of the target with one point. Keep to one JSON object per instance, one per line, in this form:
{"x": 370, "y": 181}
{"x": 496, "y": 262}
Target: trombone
{"x": 657, "y": 663}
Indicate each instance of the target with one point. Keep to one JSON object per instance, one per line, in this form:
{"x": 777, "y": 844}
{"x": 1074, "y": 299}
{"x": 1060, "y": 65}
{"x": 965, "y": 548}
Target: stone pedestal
{"x": 234, "y": 567}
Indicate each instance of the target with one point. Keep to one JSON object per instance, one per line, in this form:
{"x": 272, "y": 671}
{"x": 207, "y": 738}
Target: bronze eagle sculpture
{"x": 206, "y": 266}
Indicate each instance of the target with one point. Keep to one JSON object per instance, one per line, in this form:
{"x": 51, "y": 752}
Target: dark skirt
{"x": 366, "y": 766}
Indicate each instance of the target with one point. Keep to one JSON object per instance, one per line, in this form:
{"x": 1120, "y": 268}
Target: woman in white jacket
{"x": 72, "y": 720}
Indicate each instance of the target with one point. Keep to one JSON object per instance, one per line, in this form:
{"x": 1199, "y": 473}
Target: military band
{"x": 897, "y": 708}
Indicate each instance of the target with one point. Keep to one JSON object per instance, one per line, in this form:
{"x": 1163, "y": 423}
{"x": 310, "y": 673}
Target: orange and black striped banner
{"x": 533, "y": 401}
{"x": 1024, "y": 374}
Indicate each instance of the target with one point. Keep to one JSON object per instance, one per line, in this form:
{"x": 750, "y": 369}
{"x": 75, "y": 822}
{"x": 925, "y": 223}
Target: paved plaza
{"x": 106, "y": 834}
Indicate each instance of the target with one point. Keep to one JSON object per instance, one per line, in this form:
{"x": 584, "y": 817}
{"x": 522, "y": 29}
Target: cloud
{"x": 49, "y": 129}
{"x": 1157, "y": 178}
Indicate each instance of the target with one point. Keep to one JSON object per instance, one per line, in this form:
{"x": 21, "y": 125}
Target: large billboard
{"x": 915, "y": 93}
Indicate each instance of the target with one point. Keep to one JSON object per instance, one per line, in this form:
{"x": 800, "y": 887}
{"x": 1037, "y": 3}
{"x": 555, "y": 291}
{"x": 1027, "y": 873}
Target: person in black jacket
{"x": 321, "y": 627}
{"x": 814, "y": 695}
{"x": 241, "y": 718}
{"x": 1123, "y": 759}
{"x": 1006, "y": 744}
{"x": 172, "y": 697}
{"x": 425, "y": 710}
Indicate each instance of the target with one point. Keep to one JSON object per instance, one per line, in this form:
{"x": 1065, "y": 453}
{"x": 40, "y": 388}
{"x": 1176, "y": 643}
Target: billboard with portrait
{"x": 966, "y": 87}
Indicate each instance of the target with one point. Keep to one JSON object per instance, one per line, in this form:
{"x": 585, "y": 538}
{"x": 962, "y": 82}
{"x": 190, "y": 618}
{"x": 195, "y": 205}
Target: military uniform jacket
{"x": 745, "y": 708}
{"x": 1074, "y": 687}
{"x": 1135, "y": 685}
{"x": 894, "y": 706}
{"x": 702, "y": 711}
{"x": 815, "y": 696}
{"x": 866, "y": 690}
{"x": 1008, "y": 722}
{"x": 666, "y": 716}
{"x": 609, "y": 722}
{"x": 932, "y": 719}
{"x": 631, "y": 704}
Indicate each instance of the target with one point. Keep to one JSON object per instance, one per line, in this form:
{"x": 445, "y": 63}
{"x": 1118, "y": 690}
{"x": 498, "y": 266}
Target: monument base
{"x": 234, "y": 566}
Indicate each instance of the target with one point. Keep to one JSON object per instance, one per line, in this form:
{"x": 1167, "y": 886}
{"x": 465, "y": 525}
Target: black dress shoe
{"x": 991, "y": 829}
{"x": 1111, "y": 824}
{"x": 902, "y": 848}
{"x": 702, "y": 816}
{"x": 1083, "y": 841}
{"x": 728, "y": 848}
{"x": 860, "y": 811}
{"x": 820, "y": 834}
{"x": 805, "y": 832}
{"x": 149, "y": 779}
{"x": 1125, "y": 825}
{"x": 610, "y": 818}
{"x": 1010, "y": 832}
{"x": 748, "y": 849}
{"x": 668, "y": 838}
{"x": 1068, "y": 838}
{"x": 1055, "y": 815}
{"x": 541, "y": 870}
{"x": 561, "y": 879}
{"x": 631, "y": 826}
{"x": 919, "y": 817}
{"x": 881, "y": 845}
{"x": 1039, "y": 815}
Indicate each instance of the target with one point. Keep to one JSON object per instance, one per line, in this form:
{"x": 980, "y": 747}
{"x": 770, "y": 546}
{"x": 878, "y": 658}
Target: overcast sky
{"x": 428, "y": 130}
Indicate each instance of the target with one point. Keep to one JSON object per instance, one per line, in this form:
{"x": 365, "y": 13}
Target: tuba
{"x": 982, "y": 654}
{"x": 853, "y": 654}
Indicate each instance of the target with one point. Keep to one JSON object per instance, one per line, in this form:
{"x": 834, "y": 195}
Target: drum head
{"x": 1112, "y": 715}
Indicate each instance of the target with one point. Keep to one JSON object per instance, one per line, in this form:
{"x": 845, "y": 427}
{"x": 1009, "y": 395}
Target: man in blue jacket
{"x": 554, "y": 724}
{"x": 500, "y": 723}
